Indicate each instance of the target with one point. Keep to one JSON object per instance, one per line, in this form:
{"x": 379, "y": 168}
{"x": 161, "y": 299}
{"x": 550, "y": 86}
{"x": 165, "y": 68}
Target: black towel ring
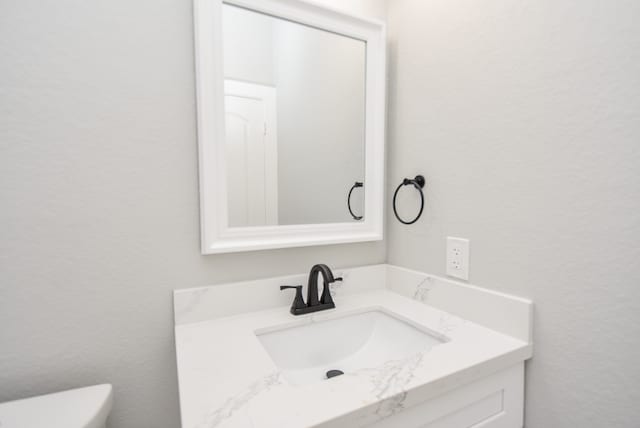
{"x": 418, "y": 182}
{"x": 356, "y": 185}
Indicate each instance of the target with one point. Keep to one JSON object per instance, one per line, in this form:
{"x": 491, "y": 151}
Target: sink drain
{"x": 334, "y": 373}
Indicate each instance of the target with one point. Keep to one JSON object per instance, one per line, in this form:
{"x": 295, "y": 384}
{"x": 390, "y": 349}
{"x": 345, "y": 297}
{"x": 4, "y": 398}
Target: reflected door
{"x": 251, "y": 151}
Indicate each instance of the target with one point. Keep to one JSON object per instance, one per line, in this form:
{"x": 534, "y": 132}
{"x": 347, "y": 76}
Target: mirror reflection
{"x": 295, "y": 122}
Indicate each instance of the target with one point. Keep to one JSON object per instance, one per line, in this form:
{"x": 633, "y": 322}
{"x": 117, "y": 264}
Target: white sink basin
{"x": 368, "y": 339}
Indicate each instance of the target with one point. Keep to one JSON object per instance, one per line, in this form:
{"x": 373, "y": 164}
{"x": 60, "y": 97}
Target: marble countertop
{"x": 227, "y": 379}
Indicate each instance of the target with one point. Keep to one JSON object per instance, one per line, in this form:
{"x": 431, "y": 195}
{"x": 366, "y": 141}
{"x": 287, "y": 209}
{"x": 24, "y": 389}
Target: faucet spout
{"x": 312, "y": 286}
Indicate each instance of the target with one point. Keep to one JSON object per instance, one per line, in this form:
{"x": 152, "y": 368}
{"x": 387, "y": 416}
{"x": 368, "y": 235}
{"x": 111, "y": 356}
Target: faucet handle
{"x": 291, "y": 287}
{"x": 298, "y": 301}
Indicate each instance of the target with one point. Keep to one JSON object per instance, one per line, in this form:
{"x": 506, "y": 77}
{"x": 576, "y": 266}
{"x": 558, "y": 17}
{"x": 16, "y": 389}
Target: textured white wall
{"x": 99, "y": 192}
{"x": 523, "y": 116}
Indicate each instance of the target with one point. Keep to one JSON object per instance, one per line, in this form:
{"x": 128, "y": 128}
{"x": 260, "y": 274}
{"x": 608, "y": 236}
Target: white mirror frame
{"x": 216, "y": 235}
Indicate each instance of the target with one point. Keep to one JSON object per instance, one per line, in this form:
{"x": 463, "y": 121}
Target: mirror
{"x": 290, "y": 124}
{"x": 294, "y": 120}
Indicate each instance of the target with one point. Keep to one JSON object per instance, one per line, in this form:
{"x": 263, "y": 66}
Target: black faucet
{"x": 299, "y": 307}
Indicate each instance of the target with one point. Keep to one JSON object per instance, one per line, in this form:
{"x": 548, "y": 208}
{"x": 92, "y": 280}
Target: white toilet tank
{"x": 77, "y": 408}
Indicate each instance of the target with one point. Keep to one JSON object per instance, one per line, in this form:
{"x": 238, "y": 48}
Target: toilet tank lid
{"x": 76, "y": 408}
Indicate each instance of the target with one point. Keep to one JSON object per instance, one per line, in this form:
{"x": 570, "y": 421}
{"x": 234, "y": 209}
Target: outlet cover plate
{"x": 458, "y": 257}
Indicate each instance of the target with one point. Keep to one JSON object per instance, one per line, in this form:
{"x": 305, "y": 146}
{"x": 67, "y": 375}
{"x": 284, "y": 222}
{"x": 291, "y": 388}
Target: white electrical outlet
{"x": 458, "y": 257}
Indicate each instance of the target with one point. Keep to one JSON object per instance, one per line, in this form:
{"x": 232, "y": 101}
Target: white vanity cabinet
{"x": 492, "y": 402}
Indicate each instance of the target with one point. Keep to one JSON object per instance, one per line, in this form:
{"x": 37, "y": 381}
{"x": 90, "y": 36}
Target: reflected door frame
{"x": 261, "y": 196}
